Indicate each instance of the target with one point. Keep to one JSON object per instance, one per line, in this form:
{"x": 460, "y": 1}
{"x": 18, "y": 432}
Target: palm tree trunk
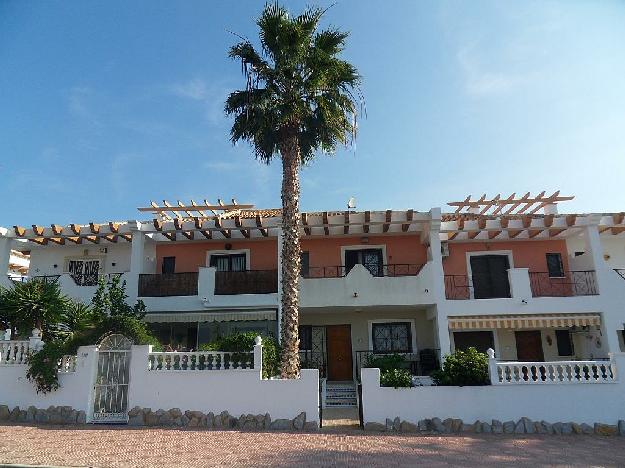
{"x": 290, "y": 256}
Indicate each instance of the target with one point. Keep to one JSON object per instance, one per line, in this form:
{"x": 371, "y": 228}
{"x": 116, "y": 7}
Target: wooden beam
{"x": 554, "y": 232}
{"x": 481, "y": 223}
{"x": 114, "y": 227}
{"x": 367, "y": 221}
{"x": 56, "y": 229}
{"x": 75, "y": 228}
{"x": 19, "y": 231}
{"x": 111, "y": 238}
{"x": 178, "y": 224}
{"x": 75, "y": 240}
{"x": 493, "y": 234}
{"x": 93, "y": 239}
{"x": 239, "y": 224}
{"x": 460, "y": 223}
{"x": 305, "y": 223}
{"x": 473, "y": 234}
{"x": 58, "y": 240}
{"x": 409, "y": 216}
{"x": 224, "y": 232}
{"x": 617, "y": 230}
{"x": 517, "y": 203}
{"x": 389, "y": 215}
{"x": 534, "y": 232}
{"x": 158, "y": 225}
{"x": 512, "y": 233}
{"x": 39, "y": 240}
{"x": 206, "y": 234}
{"x": 571, "y": 219}
{"x": 548, "y": 220}
{"x": 128, "y": 237}
{"x": 198, "y": 222}
{"x": 326, "y": 228}
{"x": 38, "y": 230}
{"x": 504, "y": 221}
{"x": 346, "y": 227}
{"x": 527, "y": 221}
{"x": 617, "y": 218}
{"x": 188, "y": 234}
{"x": 453, "y": 236}
{"x": 259, "y": 225}
{"x": 505, "y": 202}
{"x": 95, "y": 228}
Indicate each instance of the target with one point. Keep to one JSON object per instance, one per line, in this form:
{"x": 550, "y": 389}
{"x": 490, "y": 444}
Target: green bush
{"x": 386, "y": 362}
{"x": 395, "y": 378}
{"x": 43, "y": 367}
{"x": 244, "y": 343}
{"x": 462, "y": 368}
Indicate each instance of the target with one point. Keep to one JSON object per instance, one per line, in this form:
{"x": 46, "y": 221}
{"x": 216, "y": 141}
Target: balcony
{"x": 573, "y": 283}
{"x": 246, "y": 282}
{"x": 340, "y": 271}
{"x": 172, "y": 284}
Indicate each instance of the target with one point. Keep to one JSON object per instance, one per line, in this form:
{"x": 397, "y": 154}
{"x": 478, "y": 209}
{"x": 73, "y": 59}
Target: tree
{"x": 300, "y": 98}
{"x": 110, "y": 299}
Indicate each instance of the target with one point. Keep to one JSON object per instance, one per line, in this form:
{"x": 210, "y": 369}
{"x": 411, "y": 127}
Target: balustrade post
{"x": 35, "y": 341}
{"x": 258, "y": 354}
{"x": 492, "y": 367}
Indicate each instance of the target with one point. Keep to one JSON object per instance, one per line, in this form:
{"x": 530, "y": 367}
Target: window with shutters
{"x": 228, "y": 262}
{"x": 554, "y": 265}
{"x": 564, "y": 342}
{"x": 371, "y": 259}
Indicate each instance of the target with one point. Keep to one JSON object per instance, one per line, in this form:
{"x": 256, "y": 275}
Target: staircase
{"x": 340, "y": 394}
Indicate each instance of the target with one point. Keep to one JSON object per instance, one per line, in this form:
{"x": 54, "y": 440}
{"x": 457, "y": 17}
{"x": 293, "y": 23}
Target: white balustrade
{"x": 14, "y": 352}
{"x": 67, "y": 364}
{"x": 200, "y": 361}
{"x": 553, "y": 372}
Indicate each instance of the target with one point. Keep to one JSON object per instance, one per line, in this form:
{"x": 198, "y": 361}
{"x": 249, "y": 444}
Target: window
{"x": 169, "y": 265}
{"x": 489, "y": 276}
{"x": 84, "y": 272}
{"x": 480, "y": 340}
{"x": 228, "y": 262}
{"x": 564, "y": 342}
{"x": 371, "y": 259}
{"x": 394, "y": 337}
{"x": 554, "y": 265}
{"x": 305, "y": 337}
{"x": 304, "y": 261}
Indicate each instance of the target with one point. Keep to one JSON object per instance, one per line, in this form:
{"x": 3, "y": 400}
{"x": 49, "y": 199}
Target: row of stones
{"x": 522, "y": 426}
{"x": 52, "y": 415}
{"x": 224, "y": 420}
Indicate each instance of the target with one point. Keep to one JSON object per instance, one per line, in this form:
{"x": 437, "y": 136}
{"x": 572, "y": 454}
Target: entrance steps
{"x": 341, "y": 394}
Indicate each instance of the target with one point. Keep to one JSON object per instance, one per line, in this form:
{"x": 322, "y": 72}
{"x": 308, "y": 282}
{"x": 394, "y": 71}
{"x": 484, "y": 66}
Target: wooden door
{"x": 529, "y": 346}
{"x": 339, "y": 346}
{"x": 490, "y": 276}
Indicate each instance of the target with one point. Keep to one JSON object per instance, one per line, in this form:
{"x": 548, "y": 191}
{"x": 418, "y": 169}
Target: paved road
{"x": 126, "y": 447}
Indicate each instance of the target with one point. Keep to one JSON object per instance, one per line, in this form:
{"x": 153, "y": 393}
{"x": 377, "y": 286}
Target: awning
{"x": 217, "y": 316}
{"x": 523, "y": 321}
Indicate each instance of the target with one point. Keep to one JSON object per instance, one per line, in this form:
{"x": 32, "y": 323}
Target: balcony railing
{"x": 171, "y": 284}
{"x": 310, "y": 359}
{"x": 246, "y": 282}
{"x": 46, "y": 278}
{"x": 392, "y": 270}
{"x": 573, "y": 283}
{"x": 621, "y": 272}
{"x": 422, "y": 363}
{"x": 462, "y": 287}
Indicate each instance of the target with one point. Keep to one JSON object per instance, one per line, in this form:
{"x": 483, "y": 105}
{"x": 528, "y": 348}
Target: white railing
{"x": 14, "y": 352}
{"x": 199, "y": 361}
{"x": 554, "y": 372}
{"x": 67, "y": 364}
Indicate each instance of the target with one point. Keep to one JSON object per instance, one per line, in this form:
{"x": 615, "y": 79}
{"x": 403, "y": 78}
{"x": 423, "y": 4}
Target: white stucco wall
{"x": 613, "y": 246}
{"x": 43, "y": 259}
{"x": 581, "y": 403}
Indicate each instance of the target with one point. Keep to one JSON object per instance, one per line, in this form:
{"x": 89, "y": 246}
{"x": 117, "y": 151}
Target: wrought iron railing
{"x": 92, "y": 279}
{"x": 573, "y": 283}
{"x": 310, "y": 359}
{"x": 390, "y": 270}
{"x": 246, "y": 282}
{"x": 462, "y": 287}
{"x": 621, "y": 272}
{"x": 457, "y": 287}
{"x": 171, "y": 284}
{"x": 422, "y": 363}
{"x": 46, "y": 278}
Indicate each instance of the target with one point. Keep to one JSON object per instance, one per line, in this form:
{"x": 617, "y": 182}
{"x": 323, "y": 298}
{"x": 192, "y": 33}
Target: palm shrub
{"x": 299, "y": 99}
{"x": 462, "y": 368}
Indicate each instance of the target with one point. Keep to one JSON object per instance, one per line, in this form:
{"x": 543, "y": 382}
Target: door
{"x": 489, "y": 274}
{"x": 110, "y": 392}
{"x": 339, "y": 343}
{"x": 371, "y": 259}
{"x": 480, "y": 340}
{"x": 169, "y": 265}
{"x": 529, "y": 346}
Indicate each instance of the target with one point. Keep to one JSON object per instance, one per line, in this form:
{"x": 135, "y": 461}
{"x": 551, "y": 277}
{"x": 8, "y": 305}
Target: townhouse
{"x": 512, "y": 274}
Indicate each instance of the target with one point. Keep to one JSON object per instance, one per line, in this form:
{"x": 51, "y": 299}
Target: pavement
{"x": 119, "y": 446}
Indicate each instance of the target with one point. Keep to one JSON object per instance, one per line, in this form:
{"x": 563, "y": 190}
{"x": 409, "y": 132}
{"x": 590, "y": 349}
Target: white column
{"x": 137, "y": 257}
{"x": 258, "y": 355}
{"x": 5, "y": 256}
{"x": 280, "y": 241}
{"x": 492, "y": 366}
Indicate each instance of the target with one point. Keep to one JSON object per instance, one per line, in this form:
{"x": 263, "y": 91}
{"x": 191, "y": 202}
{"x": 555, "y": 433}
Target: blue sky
{"x": 105, "y": 106}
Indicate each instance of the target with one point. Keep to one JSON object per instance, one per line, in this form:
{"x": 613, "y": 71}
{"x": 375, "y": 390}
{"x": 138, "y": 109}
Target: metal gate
{"x": 110, "y": 392}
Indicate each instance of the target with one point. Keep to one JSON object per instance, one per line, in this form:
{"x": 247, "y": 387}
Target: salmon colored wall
{"x": 399, "y": 249}
{"x": 530, "y": 254}
{"x": 192, "y": 255}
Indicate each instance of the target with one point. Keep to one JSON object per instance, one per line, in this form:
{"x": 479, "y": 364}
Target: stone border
{"x": 52, "y": 415}
{"x": 522, "y": 426}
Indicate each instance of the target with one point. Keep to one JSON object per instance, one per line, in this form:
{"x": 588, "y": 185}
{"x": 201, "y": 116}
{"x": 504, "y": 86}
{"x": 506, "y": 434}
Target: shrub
{"x": 396, "y": 378}
{"x": 43, "y": 367}
{"x": 386, "y": 362}
{"x": 244, "y": 343}
{"x": 462, "y": 368}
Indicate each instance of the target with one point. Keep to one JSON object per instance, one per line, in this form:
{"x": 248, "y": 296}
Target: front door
{"x": 339, "y": 344}
{"x": 489, "y": 275}
{"x": 529, "y": 346}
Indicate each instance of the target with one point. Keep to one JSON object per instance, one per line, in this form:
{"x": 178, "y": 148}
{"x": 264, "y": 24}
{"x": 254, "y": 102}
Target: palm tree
{"x": 300, "y": 98}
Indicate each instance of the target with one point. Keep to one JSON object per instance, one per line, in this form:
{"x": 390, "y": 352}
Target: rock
{"x": 467, "y": 428}
{"x": 260, "y": 420}
{"x": 567, "y": 429}
{"x": 282, "y": 424}
{"x": 497, "y": 427}
{"x": 311, "y": 426}
{"x": 621, "y": 427}
{"x": 81, "y": 417}
{"x": 136, "y": 419}
{"x": 242, "y": 420}
{"x": 5, "y": 414}
{"x": 30, "y": 414}
{"x": 374, "y": 426}
{"x": 456, "y": 425}
{"x": 396, "y": 424}
{"x": 182, "y": 421}
{"x": 477, "y": 427}
{"x": 606, "y": 429}
{"x": 389, "y": 424}
{"x": 437, "y": 425}
{"x": 249, "y": 424}
{"x": 299, "y": 421}
{"x": 423, "y": 425}
{"x": 508, "y": 427}
{"x": 15, "y": 414}
{"x": 194, "y": 422}
{"x": 406, "y": 426}
{"x": 587, "y": 429}
{"x": 557, "y": 428}
{"x": 150, "y": 418}
{"x": 539, "y": 428}
{"x": 41, "y": 416}
{"x": 210, "y": 420}
{"x": 548, "y": 427}
{"x": 135, "y": 411}
{"x": 577, "y": 429}
{"x": 175, "y": 413}
{"x": 529, "y": 425}
{"x": 21, "y": 417}
{"x": 486, "y": 428}
{"x": 267, "y": 421}
{"x": 519, "y": 427}
{"x": 165, "y": 419}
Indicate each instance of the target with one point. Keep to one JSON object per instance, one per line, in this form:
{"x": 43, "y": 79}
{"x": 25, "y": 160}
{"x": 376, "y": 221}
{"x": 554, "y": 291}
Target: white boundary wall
{"x": 238, "y": 391}
{"x": 581, "y": 403}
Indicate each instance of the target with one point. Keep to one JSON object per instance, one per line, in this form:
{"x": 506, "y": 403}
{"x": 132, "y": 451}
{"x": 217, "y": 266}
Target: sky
{"x": 105, "y": 106}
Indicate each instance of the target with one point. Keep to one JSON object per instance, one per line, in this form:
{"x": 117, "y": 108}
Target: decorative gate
{"x": 110, "y": 393}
